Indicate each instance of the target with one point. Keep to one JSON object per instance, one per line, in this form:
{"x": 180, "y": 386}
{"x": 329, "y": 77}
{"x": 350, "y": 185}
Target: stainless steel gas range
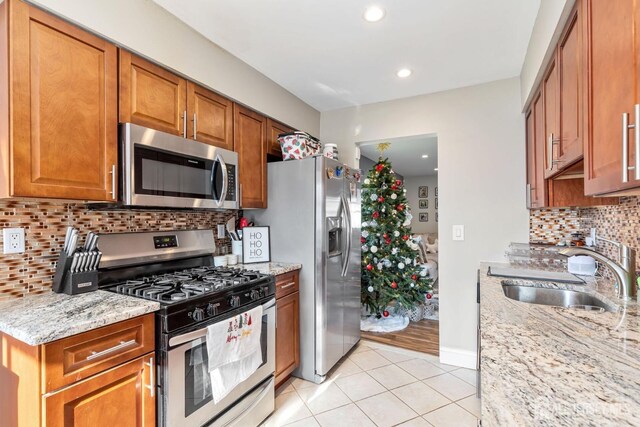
{"x": 176, "y": 269}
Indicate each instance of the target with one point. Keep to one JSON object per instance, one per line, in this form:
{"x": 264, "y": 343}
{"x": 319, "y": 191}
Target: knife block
{"x": 64, "y": 281}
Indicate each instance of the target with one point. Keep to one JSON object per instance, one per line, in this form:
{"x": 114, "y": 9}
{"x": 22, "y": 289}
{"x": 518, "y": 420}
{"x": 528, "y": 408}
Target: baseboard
{"x": 457, "y": 357}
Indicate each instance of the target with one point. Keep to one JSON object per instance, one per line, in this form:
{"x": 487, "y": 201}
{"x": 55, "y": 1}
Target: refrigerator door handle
{"x": 346, "y": 209}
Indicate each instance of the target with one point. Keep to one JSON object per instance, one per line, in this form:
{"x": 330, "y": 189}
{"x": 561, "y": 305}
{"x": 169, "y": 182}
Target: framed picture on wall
{"x": 423, "y": 204}
{"x": 424, "y": 217}
{"x": 436, "y": 191}
{"x": 423, "y": 191}
{"x": 436, "y": 202}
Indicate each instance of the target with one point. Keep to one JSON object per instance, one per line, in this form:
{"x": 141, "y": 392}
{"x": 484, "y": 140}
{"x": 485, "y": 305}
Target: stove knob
{"x": 198, "y": 314}
{"x": 212, "y": 309}
{"x": 234, "y": 301}
{"x": 255, "y": 294}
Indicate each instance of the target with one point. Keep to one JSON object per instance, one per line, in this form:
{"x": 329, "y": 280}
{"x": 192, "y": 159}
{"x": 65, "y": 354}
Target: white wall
{"x": 146, "y": 28}
{"x": 481, "y": 162}
{"x": 546, "y": 31}
{"x": 411, "y": 183}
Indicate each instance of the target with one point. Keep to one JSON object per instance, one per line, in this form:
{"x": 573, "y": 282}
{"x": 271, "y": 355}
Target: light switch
{"x": 458, "y": 232}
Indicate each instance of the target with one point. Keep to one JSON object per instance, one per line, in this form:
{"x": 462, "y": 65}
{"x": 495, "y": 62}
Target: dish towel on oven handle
{"x": 234, "y": 351}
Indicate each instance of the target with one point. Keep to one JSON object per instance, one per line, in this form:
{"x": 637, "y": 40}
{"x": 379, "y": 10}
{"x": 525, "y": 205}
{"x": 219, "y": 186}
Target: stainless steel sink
{"x": 554, "y": 297}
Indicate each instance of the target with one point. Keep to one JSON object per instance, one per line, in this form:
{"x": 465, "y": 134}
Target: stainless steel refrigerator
{"x": 314, "y": 215}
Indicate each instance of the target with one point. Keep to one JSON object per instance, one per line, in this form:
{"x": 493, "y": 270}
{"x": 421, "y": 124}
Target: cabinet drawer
{"x": 286, "y": 283}
{"x": 72, "y": 359}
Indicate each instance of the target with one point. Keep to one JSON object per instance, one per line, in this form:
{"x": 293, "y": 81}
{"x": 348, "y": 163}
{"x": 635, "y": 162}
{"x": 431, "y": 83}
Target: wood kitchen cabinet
{"x": 58, "y": 108}
{"x": 611, "y": 37}
{"x": 287, "y": 325}
{"x": 551, "y": 123}
{"x": 211, "y": 117}
{"x": 249, "y": 141}
{"x": 273, "y": 130}
{"x": 101, "y": 378}
{"x": 152, "y": 96}
{"x": 536, "y": 185}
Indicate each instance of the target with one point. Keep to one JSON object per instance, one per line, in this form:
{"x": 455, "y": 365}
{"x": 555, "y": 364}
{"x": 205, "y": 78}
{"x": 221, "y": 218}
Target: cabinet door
{"x": 571, "y": 68}
{"x": 551, "y": 99}
{"x": 249, "y": 136}
{"x": 273, "y": 130}
{"x": 531, "y": 159}
{"x": 63, "y": 108}
{"x": 612, "y": 52}
{"x": 151, "y": 96}
{"x": 117, "y": 397}
{"x": 539, "y": 189}
{"x": 211, "y": 117}
{"x": 287, "y": 336}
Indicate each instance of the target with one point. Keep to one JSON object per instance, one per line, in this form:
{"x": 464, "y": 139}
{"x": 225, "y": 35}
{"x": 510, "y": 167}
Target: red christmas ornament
{"x": 394, "y": 187}
{"x": 386, "y": 236}
{"x": 376, "y": 215}
{"x": 414, "y": 277}
{"x": 398, "y": 182}
{"x": 394, "y": 285}
{"x": 400, "y": 208}
{"x": 385, "y": 313}
{"x": 369, "y": 267}
{"x": 362, "y": 240}
{"x": 405, "y": 237}
{"x": 429, "y": 296}
{"x": 380, "y": 199}
{"x": 388, "y": 241}
{"x": 379, "y": 167}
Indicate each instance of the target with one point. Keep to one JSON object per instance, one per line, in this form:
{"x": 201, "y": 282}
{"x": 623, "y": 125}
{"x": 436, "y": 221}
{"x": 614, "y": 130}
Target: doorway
{"x": 414, "y": 160}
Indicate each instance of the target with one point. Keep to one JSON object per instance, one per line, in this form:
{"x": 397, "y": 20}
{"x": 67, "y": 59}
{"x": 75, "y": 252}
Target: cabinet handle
{"x": 122, "y": 345}
{"x": 625, "y": 147}
{"x": 240, "y": 195}
{"x": 288, "y": 285}
{"x": 195, "y": 126}
{"x": 636, "y": 127}
{"x": 184, "y": 124}
{"x": 528, "y": 196}
{"x": 152, "y": 377}
{"x": 113, "y": 181}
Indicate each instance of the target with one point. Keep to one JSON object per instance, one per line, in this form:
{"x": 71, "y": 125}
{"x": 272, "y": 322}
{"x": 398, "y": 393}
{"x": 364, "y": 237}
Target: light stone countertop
{"x": 275, "y": 268}
{"x": 43, "y": 318}
{"x": 550, "y": 366}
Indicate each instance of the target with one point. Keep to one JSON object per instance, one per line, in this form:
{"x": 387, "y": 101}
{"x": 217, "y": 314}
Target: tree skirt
{"x": 384, "y": 324}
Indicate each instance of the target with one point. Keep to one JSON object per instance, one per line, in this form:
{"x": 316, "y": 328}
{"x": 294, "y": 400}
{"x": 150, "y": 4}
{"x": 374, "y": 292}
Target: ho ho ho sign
{"x": 255, "y": 245}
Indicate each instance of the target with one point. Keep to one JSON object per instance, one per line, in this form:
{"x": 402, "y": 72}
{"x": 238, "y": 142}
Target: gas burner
{"x": 178, "y": 296}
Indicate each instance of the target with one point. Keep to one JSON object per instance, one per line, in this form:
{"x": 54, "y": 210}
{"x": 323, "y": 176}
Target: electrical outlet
{"x": 221, "y": 231}
{"x": 13, "y": 240}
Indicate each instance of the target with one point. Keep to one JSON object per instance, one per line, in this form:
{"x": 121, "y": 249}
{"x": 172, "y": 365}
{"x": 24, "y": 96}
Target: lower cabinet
{"x": 105, "y": 377}
{"x": 287, "y": 325}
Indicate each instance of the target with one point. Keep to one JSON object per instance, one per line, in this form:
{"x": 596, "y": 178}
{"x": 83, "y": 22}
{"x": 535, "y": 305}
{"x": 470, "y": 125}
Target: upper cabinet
{"x": 536, "y": 188}
{"x": 58, "y": 121}
{"x": 612, "y": 147}
{"x": 551, "y": 103}
{"x": 250, "y": 142}
{"x": 152, "y": 96}
{"x": 273, "y": 130}
{"x": 211, "y": 117}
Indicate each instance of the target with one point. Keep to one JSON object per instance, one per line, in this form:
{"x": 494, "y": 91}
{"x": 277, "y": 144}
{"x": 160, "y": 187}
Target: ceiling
{"x": 325, "y": 53}
{"x": 405, "y": 154}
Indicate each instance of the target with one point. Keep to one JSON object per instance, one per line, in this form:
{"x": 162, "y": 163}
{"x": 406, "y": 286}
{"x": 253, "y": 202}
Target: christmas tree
{"x": 390, "y": 271}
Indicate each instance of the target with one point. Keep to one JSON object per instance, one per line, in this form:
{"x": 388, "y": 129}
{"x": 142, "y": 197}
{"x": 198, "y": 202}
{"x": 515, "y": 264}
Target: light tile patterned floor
{"x": 378, "y": 385}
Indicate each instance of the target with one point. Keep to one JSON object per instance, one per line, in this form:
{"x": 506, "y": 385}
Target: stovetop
{"x": 176, "y": 287}
{"x": 198, "y": 295}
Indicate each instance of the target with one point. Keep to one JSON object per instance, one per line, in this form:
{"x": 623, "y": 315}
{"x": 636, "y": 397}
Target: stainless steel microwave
{"x": 164, "y": 170}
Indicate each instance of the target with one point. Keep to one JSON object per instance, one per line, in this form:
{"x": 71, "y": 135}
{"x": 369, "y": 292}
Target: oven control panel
{"x": 162, "y": 242}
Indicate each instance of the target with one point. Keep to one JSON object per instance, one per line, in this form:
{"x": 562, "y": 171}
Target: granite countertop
{"x": 43, "y": 318}
{"x": 550, "y": 366}
{"x": 275, "y": 268}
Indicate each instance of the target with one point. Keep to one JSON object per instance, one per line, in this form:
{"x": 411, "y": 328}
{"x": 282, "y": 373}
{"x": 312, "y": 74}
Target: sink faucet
{"x": 625, "y": 271}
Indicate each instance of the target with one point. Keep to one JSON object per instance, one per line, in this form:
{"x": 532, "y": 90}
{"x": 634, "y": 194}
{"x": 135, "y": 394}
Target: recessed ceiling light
{"x": 373, "y": 14}
{"x": 403, "y": 73}
{"x": 425, "y": 156}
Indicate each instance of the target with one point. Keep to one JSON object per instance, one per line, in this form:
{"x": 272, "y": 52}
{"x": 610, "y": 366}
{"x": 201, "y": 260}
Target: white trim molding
{"x": 457, "y": 357}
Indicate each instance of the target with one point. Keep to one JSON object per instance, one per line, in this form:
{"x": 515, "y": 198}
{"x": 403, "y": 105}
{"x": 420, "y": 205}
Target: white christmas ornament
{"x": 364, "y": 248}
{"x": 423, "y": 273}
{"x": 373, "y": 197}
{"x": 394, "y": 251}
{"x": 365, "y": 234}
{"x": 407, "y": 260}
{"x": 374, "y": 249}
{"x": 364, "y": 224}
{"x": 394, "y": 196}
{"x": 379, "y": 266}
{"x": 413, "y": 285}
{"x": 396, "y": 233}
{"x": 384, "y": 210}
{"x": 400, "y": 265}
{"x": 367, "y": 181}
{"x": 370, "y": 288}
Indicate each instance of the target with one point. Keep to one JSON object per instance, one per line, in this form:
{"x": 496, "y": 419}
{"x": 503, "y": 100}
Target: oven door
{"x": 187, "y": 399}
{"x": 165, "y": 170}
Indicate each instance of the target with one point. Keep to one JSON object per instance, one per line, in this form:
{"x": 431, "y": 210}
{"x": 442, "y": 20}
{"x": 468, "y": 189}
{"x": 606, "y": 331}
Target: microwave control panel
{"x": 162, "y": 242}
{"x": 231, "y": 183}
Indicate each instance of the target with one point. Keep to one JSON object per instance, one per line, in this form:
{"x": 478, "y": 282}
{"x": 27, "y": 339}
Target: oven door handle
{"x": 190, "y": 336}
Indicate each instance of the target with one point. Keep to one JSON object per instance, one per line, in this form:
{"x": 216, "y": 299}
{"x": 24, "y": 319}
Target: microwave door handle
{"x": 214, "y": 190}
{"x": 225, "y": 183}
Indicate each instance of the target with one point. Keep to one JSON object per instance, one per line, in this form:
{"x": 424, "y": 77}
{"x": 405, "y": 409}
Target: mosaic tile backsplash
{"x": 620, "y": 223}
{"x": 45, "y": 225}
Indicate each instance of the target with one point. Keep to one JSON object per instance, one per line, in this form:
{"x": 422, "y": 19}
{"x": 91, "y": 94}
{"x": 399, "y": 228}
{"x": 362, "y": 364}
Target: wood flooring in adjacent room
{"x": 420, "y": 336}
